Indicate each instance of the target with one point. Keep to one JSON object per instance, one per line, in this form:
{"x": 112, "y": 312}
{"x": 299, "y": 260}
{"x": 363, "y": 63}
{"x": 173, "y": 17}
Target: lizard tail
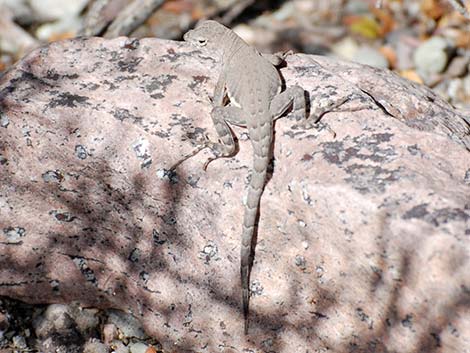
{"x": 261, "y": 152}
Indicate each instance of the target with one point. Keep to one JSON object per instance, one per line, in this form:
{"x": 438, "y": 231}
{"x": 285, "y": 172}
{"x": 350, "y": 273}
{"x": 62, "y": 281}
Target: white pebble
{"x": 431, "y": 56}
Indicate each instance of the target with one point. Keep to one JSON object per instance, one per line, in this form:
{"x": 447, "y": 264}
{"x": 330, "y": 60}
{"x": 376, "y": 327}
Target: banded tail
{"x": 261, "y": 136}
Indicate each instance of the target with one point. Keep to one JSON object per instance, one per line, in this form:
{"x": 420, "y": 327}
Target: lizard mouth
{"x": 194, "y": 39}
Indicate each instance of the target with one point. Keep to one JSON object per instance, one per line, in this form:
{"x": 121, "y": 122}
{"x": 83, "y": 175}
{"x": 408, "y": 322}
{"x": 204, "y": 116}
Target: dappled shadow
{"x": 100, "y": 231}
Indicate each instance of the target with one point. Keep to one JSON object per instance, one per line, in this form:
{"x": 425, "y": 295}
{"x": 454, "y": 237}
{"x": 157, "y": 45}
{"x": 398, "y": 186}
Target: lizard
{"x": 252, "y": 83}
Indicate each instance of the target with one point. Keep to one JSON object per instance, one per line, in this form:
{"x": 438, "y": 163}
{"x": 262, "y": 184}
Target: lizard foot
{"x": 209, "y": 160}
{"x": 201, "y": 143}
{"x": 319, "y": 126}
{"x": 219, "y": 150}
{"x": 284, "y": 54}
{"x": 192, "y": 154}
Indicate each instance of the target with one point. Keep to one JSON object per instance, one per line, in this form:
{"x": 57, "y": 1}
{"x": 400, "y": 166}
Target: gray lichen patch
{"x": 52, "y": 176}
{"x": 135, "y": 254}
{"x": 123, "y": 114}
{"x": 256, "y": 288}
{"x": 364, "y": 158}
{"x": 157, "y": 238}
{"x": 157, "y": 86}
{"x": 300, "y": 262}
{"x": 178, "y": 119}
{"x": 167, "y": 174}
{"x": 13, "y": 235}
{"x": 53, "y": 75}
{"x": 365, "y": 318}
{"x": 55, "y": 285}
{"x": 66, "y": 99}
{"x": 3, "y": 160}
{"x": 173, "y": 56}
{"x": 87, "y": 272}
{"x": 324, "y": 249}
{"x": 437, "y": 216}
{"x": 374, "y": 148}
{"x": 466, "y": 177}
{"x": 414, "y": 150}
{"x": 129, "y": 65}
{"x": 197, "y": 82}
{"x": 62, "y": 216}
{"x": 4, "y": 121}
{"x": 209, "y": 252}
{"x": 370, "y": 178}
{"x": 141, "y": 149}
{"x": 81, "y": 152}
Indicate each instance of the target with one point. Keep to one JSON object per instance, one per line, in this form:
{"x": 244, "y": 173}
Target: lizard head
{"x": 206, "y": 34}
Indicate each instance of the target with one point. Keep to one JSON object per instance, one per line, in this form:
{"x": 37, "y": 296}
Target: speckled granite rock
{"x": 364, "y": 240}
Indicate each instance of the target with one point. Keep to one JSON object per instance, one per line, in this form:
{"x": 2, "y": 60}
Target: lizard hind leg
{"x": 221, "y": 116}
{"x": 277, "y": 59}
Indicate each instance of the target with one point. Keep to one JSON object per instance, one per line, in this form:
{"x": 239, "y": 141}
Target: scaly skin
{"x": 253, "y": 86}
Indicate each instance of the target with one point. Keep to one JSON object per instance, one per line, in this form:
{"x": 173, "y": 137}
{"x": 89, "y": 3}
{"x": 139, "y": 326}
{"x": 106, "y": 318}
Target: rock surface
{"x": 364, "y": 239}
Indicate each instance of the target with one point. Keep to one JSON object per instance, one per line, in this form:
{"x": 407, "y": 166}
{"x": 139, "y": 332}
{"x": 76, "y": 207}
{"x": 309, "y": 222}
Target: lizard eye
{"x": 202, "y": 41}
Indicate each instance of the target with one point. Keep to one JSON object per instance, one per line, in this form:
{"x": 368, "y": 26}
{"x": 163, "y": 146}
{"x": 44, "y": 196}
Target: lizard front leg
{"x": 221, "y": 116}
{"x": 219, "y": 92}
{"x": 224, "y": 132}
{"x": 225, "y": 147}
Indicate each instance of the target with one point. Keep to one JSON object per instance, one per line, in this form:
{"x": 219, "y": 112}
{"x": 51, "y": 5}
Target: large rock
{"x": 364, "y": 239}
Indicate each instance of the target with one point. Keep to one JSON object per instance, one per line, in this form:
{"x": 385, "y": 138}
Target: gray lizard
{"x": 253, "y": 87}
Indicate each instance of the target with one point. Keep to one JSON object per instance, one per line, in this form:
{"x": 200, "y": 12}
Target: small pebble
{"x": 458, "y": 66}
{"x": 110, "y": 333}
{"x": 345, "y": 48}
{"x": 126, "y": 323}
{"x": 431, "y": 56}
{"x": 19, "y": 342}
{"x": 305, "y": 6}
{"x": 405, "y": 45}
{"x": 86, "y": 320}
{"x": 454, "y": 88}
{"x": 286, "y": 11}
{"x": 20, "y": 10}
{"x": 119, "y": 347}
{"x": 51, "y": 10}
{"x": 356, "y": 7}
{"x": 300, "y": 262}
{"x": 4, "y": 323}
{"x": 138, "y": 347}
{"x": 466, "y": 87}
{"x": 369, "y": 56}
{"x": 94, "y": 346}
{"x": 67, "y": 27}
